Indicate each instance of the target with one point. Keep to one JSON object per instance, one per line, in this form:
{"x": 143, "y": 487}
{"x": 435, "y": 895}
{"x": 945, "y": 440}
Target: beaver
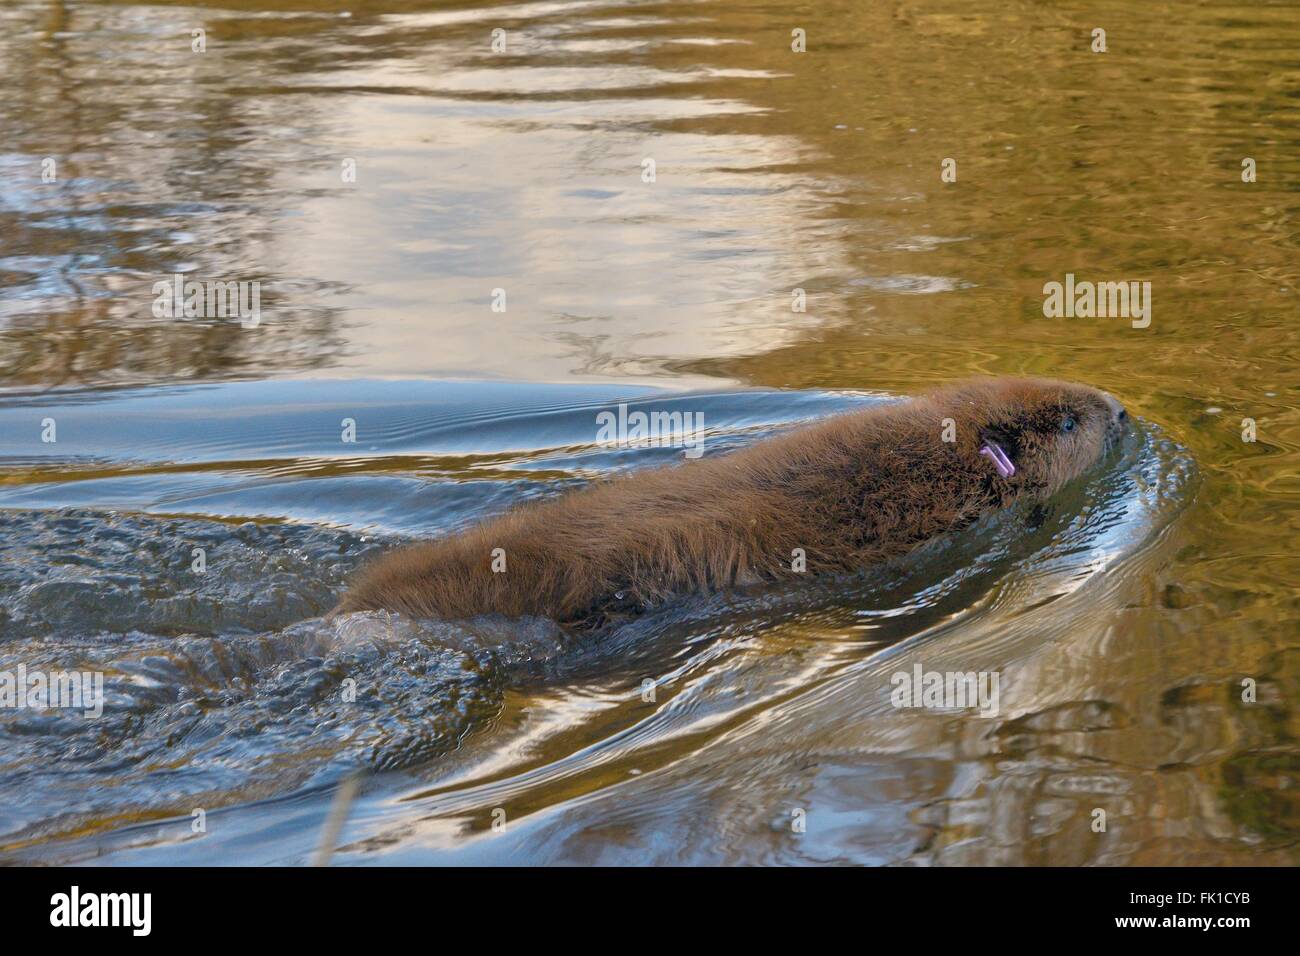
{"x": 839, "y": 495}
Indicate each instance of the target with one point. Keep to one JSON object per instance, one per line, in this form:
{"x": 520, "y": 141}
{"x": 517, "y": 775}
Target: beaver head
{"x": 1032, "y": 436}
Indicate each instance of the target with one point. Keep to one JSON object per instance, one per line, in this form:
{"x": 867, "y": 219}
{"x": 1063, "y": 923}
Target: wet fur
{"x": 851, "y": 491}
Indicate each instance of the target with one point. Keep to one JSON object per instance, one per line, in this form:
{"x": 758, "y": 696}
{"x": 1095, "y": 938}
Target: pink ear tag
{"x": 1000, "y": 460}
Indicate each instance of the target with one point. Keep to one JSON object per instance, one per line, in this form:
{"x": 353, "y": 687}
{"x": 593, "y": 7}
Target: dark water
{"x": 1122, "y": 620}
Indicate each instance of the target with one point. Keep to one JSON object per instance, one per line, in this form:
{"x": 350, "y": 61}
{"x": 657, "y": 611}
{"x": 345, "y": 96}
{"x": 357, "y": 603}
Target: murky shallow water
{"x": 1122, "y": 620}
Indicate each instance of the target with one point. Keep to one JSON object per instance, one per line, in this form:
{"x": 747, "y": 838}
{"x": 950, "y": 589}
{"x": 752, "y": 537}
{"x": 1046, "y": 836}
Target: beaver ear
{"x": 1004, "y": 433}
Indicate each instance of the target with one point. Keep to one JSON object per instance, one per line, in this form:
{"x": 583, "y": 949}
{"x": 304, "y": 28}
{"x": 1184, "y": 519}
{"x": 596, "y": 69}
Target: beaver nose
{"x": 1118, "y": 415}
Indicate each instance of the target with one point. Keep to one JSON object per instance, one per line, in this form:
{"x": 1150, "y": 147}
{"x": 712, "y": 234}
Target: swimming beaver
{"x": 850, "y": 491}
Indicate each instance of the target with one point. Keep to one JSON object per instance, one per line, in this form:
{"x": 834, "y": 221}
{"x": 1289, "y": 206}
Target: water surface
{"x": 1123, "y": 619}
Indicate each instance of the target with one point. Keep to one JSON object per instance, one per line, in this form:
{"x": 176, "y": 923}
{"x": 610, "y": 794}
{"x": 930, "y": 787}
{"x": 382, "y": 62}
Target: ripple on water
{"x": 227, "y": 687}
{"x": 210, "y": 694}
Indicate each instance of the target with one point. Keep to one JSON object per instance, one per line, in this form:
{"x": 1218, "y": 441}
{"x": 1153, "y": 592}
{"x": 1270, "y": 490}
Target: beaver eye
{"x": 1068, "y": 423}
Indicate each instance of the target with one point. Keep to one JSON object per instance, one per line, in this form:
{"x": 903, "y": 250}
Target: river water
{"x": 389, "y": 178}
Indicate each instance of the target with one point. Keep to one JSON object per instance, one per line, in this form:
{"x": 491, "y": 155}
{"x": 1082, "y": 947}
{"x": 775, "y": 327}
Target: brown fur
{"x": 852, "y": 491}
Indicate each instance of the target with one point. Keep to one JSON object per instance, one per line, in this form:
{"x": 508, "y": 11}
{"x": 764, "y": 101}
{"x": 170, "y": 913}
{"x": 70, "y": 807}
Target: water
{"x": 1122, "y": 620}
